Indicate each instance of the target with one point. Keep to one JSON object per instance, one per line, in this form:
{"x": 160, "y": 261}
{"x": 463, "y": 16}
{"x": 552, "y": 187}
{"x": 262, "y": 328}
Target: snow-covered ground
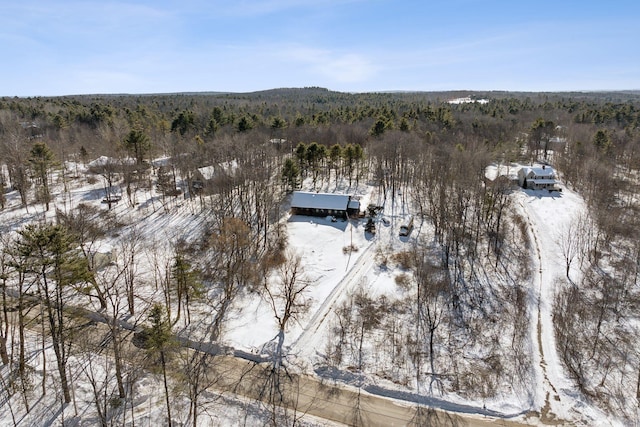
{"x": 333, "y": 273}
{"x": 320, "y": 243}
{"x": 550, "y": 216}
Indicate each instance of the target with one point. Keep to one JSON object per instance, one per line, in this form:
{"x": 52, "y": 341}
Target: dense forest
{"x": 415, "y": 149}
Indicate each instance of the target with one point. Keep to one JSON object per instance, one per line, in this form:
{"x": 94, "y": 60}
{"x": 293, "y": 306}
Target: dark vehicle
{"x": 405, "y": 229}
{"x": 370, "y": 227}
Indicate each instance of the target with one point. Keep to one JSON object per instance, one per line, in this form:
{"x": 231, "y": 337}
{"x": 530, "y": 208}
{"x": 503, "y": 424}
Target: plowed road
{"x": 345, "y": 405}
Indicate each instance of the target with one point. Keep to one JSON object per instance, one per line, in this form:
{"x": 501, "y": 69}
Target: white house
{"x": 210, "y": 172}
{"x": 537, "y": 178}
{"x": 207, "y": 176}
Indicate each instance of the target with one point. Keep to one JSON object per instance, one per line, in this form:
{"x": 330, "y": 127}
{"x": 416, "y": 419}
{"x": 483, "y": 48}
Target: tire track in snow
{"x": 361, "y": 266}
{"x": 546, "y": 414}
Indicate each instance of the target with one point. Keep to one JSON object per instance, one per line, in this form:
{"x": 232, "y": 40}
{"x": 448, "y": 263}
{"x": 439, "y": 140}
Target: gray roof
{"x": 302, "y": 199}
{"x": 539, "y": 172}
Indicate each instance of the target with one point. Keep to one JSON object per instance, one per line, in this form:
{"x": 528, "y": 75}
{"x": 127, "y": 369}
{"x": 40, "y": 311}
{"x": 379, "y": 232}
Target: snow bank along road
{"x": 346, "y": 405}
{"x": 245, "y": 374}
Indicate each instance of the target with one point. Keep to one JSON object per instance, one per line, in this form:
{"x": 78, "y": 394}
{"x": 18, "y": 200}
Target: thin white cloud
{"x": 74, "y": 46}
{"x": 73, "y": 15}
{"x": 338, "y": 67}
{"x": 263, "y": 7}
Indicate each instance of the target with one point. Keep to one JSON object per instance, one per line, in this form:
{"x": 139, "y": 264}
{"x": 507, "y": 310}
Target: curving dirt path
{"x": 540, "y": 278}
{"x": 548, "y": 217}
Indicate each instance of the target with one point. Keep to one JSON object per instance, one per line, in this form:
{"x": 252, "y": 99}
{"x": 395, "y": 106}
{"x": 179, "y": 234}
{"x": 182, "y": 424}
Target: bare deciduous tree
{"x": 231, "y": 266}
{"x": 4, "y": 316}
{"x": 569, "y": 242}
{"x": 431, "y": 300}
{"x": 127, "y": 257}
{"x": 287, "y": 297}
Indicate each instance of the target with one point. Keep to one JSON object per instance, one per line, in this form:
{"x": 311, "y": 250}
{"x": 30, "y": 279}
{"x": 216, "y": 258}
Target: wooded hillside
{"x": 460, "y": 322}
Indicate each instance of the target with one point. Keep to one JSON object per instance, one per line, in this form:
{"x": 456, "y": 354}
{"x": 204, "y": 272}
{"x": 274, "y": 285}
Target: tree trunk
{"x": 117, "y": 357}
{"x": 44, "y": 354}
{"x": 62, "y": 365}
{"x": 4, "y": 356}
{"x": 431, "y": 359}
{"x": 166, "y": 387}
{"x": 638, "y": 388}
{"x": 360, "y": 345}
{"x": 22, "y": 364}
{"x": 130, "y": 296}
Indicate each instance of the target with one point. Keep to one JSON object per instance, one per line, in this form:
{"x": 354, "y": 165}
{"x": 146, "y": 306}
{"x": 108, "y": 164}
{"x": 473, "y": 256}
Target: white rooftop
{"x": 540, "y": 171}
{"x": 303, "y": 199}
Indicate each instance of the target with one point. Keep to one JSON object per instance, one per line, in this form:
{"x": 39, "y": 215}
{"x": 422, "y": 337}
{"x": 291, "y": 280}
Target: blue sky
{"x": 64, "y": 47}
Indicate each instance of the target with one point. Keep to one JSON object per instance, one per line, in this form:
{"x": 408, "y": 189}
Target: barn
{"x": 324, "y": 204}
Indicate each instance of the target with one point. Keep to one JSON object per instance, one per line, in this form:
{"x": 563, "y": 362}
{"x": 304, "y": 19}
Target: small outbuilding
{"x": 324, "y": 204}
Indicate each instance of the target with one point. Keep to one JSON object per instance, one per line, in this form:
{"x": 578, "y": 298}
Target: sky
{"x": 68, "y": 47}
